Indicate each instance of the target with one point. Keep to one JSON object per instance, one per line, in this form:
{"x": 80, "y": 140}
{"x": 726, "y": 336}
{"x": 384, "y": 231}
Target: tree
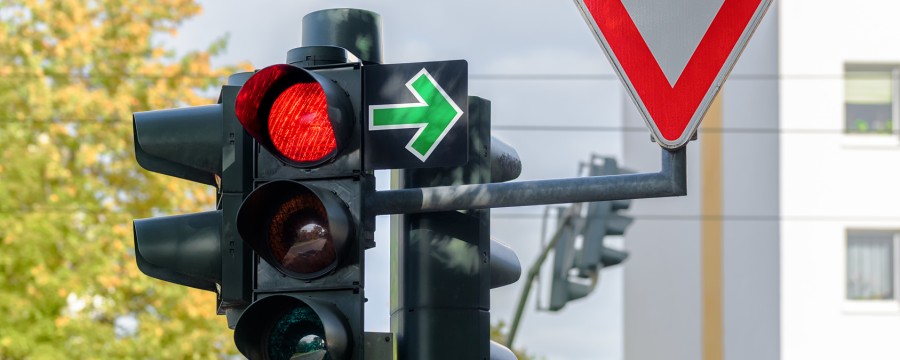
{"x": 71, "y": 74}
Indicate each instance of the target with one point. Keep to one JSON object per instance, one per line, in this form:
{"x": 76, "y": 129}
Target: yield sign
{"x": 673, "y": 55}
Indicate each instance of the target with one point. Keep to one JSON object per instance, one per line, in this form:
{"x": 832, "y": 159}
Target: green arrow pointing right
{"x": 434, "y": 115}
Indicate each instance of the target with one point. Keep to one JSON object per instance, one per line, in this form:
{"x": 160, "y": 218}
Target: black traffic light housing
{"x": 304, "y": 219}
{"x": 199, "y": 250}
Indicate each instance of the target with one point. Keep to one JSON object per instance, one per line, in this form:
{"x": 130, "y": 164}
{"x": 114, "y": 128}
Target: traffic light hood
{"x": 182, "y": 249}
{"x": 185, "y": 143}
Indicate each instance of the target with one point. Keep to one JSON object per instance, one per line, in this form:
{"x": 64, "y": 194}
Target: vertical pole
{"x": 358, "y": 31}
{"x": 711, "y": 234}
{"x": 440, "y": 262}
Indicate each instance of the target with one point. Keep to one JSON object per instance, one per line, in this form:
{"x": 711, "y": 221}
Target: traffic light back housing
{"x": 181, "y": 249}
{"x": 185, "y": 143}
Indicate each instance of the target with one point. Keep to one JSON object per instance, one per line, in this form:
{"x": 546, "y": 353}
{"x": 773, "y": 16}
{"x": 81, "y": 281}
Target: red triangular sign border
{"x": 673, "y": 113}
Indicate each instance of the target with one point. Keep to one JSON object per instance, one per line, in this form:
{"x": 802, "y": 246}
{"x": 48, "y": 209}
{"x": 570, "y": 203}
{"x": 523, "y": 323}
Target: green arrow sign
{"x": 433, "y": 115}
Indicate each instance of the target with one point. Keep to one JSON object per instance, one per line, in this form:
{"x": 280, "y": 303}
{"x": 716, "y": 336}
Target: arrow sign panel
{"x": 434, "y": 114}
{"x": 673, "y": 55}
{"x": 415, "y": 115}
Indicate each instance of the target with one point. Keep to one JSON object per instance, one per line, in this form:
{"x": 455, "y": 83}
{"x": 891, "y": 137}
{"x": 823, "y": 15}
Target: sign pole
{"x": 671, "y": 180}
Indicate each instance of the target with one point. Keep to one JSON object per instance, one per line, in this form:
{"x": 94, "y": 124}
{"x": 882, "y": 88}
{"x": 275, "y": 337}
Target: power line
{"x": 527, "y": 128}
{"x": 608, "y": 77}
{"x": 534, "y": 216}
{"x": 122, "y": 76}
{"x": 749, "y": 218}
{"x": 476, "y": 76}
{"x": 735, "y": 130}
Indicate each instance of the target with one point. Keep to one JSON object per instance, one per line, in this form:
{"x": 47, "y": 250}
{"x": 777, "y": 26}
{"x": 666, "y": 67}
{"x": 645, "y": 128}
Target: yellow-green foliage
{"x": 71, "y": 74}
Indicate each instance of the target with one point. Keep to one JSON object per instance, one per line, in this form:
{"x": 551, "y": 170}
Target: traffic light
{"x": 446, "y": 261}
{"x": 577, "y": 271}
{"x": 296, "y": 201}
{"x": 303, "y": 218}
{"x": 563, "y": 287}
{"x": 198, "y": 250}
{"x": 602, "y": 219}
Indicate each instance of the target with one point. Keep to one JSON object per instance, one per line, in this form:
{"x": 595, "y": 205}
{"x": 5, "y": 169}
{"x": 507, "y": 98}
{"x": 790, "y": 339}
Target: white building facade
{"x": 839, "y": 252}
{"x": 788, "y": 244}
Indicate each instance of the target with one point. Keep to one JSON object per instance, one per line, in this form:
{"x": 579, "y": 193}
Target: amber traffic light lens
{"x": 299, "y": 236}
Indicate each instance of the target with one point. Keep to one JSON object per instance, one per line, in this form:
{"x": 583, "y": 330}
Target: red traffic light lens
{"x": 294, "y": 113}
{"x": 299, "y": 126}
{"x": 299, "y": 236}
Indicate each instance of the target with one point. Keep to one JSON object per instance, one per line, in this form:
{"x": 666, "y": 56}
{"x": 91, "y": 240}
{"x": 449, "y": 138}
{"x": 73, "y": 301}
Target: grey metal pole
{"x": 671, "y": 180}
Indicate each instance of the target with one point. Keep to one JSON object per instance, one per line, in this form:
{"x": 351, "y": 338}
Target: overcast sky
{"x": 495, "y": 37}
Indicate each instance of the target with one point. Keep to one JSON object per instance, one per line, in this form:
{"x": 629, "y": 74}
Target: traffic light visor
{"x": 299, "y": 230}
{"x": 295, "y": 114}
{"x": 184, "y": 142}
{"x": 181, "y": 249}
{"x": 282, "y": 327}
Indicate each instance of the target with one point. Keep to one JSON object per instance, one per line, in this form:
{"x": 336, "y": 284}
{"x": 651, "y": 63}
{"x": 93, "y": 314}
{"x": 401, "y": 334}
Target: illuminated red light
{"x": 299, "y": 126}
{"x": 286, "y": 110}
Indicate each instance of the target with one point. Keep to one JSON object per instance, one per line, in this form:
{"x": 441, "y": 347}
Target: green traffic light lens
{"x": 298, "y": 335}
{"x": 299, "y": 236}
{"x": 282, "y": 326}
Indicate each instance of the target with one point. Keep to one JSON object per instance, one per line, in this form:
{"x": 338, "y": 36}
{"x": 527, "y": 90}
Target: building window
{"x": 871, "y": 104}
{"x": 872, "y": 265}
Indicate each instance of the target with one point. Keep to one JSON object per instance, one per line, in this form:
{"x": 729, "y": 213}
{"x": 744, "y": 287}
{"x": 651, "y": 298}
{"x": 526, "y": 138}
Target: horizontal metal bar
{"x": 670, "y": 181}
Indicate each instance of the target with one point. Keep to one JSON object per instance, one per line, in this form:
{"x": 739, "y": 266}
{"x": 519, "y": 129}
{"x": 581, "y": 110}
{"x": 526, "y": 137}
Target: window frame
{"x": 867, "y": 306}
{"x": 894, "y": 70}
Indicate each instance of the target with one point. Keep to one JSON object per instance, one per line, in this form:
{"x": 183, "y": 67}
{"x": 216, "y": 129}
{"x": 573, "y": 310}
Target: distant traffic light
{"x": 303, "y": 217}
{"x": 577, "y": 271}
{"x": 602, "y": 219}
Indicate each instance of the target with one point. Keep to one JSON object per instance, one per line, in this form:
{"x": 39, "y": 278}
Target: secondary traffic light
{"x": 303, "y": 217}
{"x": 563, "y": 286}
{"x": 198, "y": 250}
{"x": 577, "y": 271}
{"x": 602, "y": 219}
{"x": 446, "y": 261}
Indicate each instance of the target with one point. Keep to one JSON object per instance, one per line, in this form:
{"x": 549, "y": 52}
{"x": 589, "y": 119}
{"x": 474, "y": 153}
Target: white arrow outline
{"x": 420, "y": 126}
